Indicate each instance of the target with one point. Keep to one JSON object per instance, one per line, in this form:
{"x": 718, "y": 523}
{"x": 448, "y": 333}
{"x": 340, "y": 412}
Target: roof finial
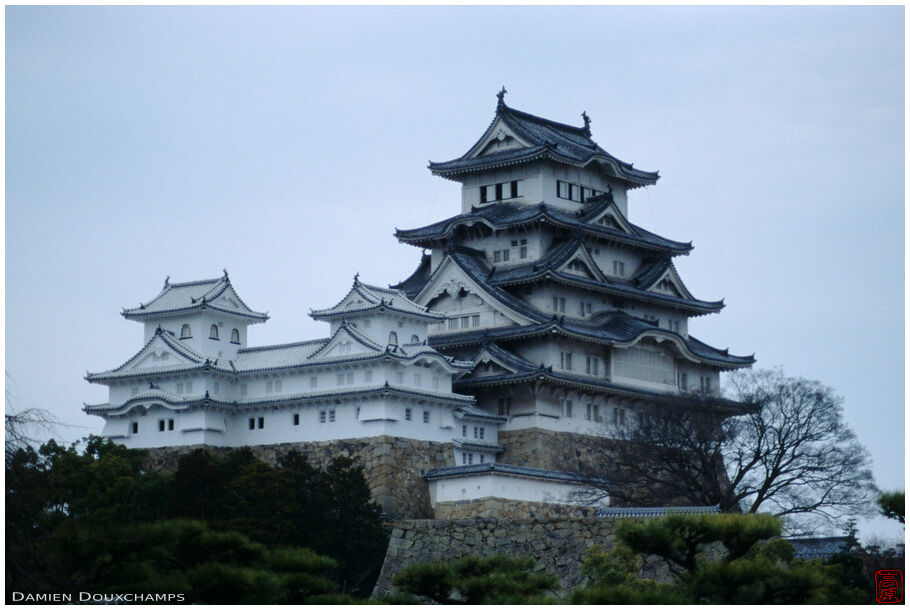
{"x": 587, "y": 120}
{"x": 167, "y": 281}
{"x": 225, "y": 273}
{"x": 357, "y": 278}
{"x": 500, "y": 96}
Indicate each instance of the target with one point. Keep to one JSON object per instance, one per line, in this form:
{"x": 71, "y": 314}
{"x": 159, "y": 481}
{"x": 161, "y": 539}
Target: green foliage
{"x": 61, "y": 501}
{"x": 474, "y": 580}
{"x": 892, "y": 505}
{"x": 717, "y": 559}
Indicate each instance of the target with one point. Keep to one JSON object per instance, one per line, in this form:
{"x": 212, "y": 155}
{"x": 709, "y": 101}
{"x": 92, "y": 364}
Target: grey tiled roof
{"x": 460, "y": 400}
{"x": 819, "y": 548}
{"x": 634, "y": 288}
{"x": 498, "y": 467}
{"x": 656, "y": 511}
{"x": 526, "y": 370}
{"x": 545, "y": 139}
{"x": 475, "y": 412}
{"x": 464, "y": 443}
{"x": 376, "y": 297}
{"x": 504, "y": 215}
{"x": 190, "y": 296}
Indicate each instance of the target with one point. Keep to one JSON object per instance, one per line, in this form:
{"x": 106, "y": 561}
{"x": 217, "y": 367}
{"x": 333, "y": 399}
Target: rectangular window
{"x": 160, "y": 425}
{"x": 483, "y": 194}
{"x": 331, "y": 415}
{"x": 481, "y": 458}
{"x": 464, "y": 431}
{"x": 243, "y": 389}
{"x": 499, "y": 191}
{"x": 357, "y": 416}
{"x": 619, "y": 416}
{"x": 189, "y": 387}
{"x": 561, "y": 190}
{"x": 252, "y": 423}
{"x": 426, "y": 417}
{"x": 513, "y": 189}
{"x": 566, "y": 406}
{"x": 523, "y": 251}
{"x": 592, "y": 412}
{"x": 322, "y": 417}
{"x": 505, "y": 405}
{"x": 179, "y": 388}
{"x": 453, "y": 323}
{"x": 683, "y": 380}
{"x": 464, "y": 458}
{"x": 592, "y": 365}
{"x": 619, "y": 268}
{"x": 269, "y": 387}
{"x": 470, "y": 458}
{"x": 407, "y": 415}
{"x": 475, "y": 431}
{"x": 565, "y": 361}
{"x": 481, "y": 434}
{"x": 350, "y": 379}
{"x": 340, "y": 379}
{"x": 296, "y": 419}
{"x": 261, "y": 423}
{"x": 514, "y": 242}
{"x": 475, "y": 320}
{"x": 573, "y": 192}
{"x": 135, "y": 427}
{"x": 277, "y": 385}
{"x": 497, "y": 256}
{"x": 465, "y": 321}
{"x": 705, "y": 384}
{"x": 170, "y": 424}
{"x": 505, "y": 256}
{"x": 673, "y": 325}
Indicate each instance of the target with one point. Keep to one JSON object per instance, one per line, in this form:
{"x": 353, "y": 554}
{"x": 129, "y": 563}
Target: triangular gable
{"x": 669, "y": 283}
{"x": 488, "y": 365}
{"x": 230, "y": 300}
{"x": 612, "y": 218}
{"x": 580, "y": 263}
{"x": 159, "y": 353}
{"x": 346, "y": 343}
{"x": 450, "y": 278}
{"x": 498, "y": 137}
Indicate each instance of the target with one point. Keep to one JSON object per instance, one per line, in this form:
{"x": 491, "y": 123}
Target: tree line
{"x": 221, "y": 529}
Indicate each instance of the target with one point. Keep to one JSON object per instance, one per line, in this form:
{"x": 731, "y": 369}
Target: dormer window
{"x": 213, "y": 332}
{"x": 185, "y": 332}
{"x": 235, "y": 336}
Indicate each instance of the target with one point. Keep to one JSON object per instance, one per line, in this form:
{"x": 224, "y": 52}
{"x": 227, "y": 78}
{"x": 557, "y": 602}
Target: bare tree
{"x": 26, "y": 427}
{"x": 787, "y": 452}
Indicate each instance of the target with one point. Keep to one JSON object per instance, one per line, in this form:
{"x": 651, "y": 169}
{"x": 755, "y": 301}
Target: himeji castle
{"x": 538, "y": 315}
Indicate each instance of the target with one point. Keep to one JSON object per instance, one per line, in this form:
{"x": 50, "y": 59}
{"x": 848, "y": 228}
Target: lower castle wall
{"x": 393, "y": 466}
{"x": 548, "y": 449}
{"x": 556, "y": 543}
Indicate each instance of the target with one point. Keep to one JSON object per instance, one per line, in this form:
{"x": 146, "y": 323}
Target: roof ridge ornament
{"x": 501, "y": 103}
{"x": 225, "y": 277}
{"x": 587, "y": 120}
{"x": 167, "y": 282}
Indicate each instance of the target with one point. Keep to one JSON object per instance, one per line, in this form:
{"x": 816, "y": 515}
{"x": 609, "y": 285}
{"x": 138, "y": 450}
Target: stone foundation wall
{"x": 392, "y": 466}
{"x": 538, "y": 448}
{"x": 558, "y": 545}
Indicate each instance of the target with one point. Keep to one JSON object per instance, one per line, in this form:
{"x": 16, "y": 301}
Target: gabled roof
{"x": 179, "y": 299}
{"x": 527, "y": 371}
{"x": 159, "y": 347}
{"x": 363, "y": 298}
{"x": 346, "y": 330}
{"x": 540, "y": 138}
{"x": 612, "y": 328}
{"x": 498, "y": 216}
{"x": 639, "y": 287}
{"x": 506, "y": 469}
{"x": 819, "y": 548}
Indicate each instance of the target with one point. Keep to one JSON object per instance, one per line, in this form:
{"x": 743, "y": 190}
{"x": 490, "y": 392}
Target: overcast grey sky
{"x": 286, "y": 144}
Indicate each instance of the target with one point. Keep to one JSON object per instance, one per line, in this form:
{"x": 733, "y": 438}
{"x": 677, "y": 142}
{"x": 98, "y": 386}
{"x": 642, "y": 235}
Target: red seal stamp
{"x": 889, "y": 586}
